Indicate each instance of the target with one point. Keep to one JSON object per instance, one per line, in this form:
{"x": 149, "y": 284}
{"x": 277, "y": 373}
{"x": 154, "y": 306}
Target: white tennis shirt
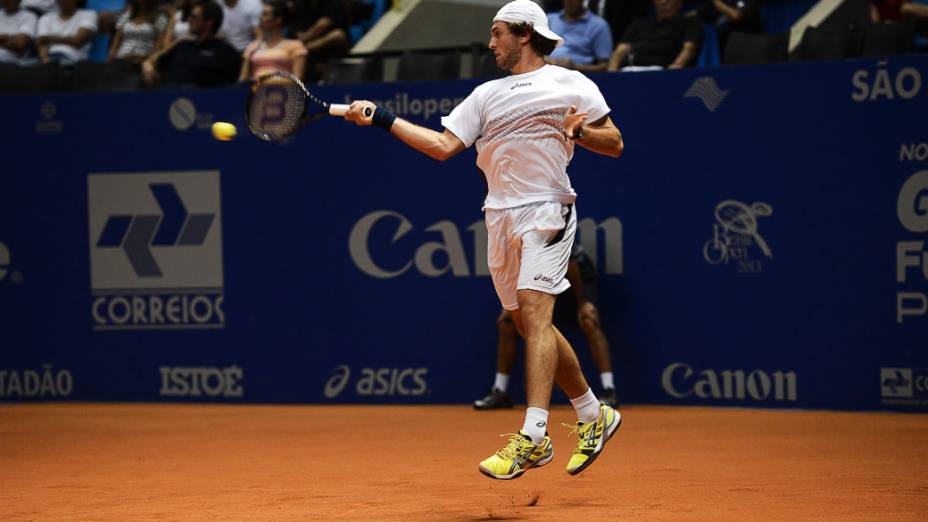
{"x": 517, "y": 123}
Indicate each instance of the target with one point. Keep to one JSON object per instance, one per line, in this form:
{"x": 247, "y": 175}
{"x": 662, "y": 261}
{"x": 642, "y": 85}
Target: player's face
{"x": 505, "y": 45}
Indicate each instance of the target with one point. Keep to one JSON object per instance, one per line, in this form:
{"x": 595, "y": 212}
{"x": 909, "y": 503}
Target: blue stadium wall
{"x": 762, "y": 242}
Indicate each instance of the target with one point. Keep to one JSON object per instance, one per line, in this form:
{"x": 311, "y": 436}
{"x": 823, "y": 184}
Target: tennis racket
{"x": 278, "y": 105}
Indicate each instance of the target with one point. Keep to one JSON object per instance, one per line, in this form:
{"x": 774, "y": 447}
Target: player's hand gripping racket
{"x": 278, "y": 105}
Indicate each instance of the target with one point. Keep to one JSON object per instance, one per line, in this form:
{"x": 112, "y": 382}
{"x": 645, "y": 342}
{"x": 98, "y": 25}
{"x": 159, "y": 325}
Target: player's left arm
{"x": 600, "y": 136}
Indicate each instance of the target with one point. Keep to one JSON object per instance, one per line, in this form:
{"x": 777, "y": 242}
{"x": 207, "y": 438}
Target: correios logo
{"x": 420, "y": 254}
{"x": 378, "y": 382}
{"x": 155, "y": 250}
{"x": 680, "y": 381}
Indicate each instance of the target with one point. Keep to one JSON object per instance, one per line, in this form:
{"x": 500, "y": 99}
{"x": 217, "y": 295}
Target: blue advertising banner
{"x": 760, "y": 243}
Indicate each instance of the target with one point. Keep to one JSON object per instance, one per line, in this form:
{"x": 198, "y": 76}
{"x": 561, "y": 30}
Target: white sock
{"x": 536, "y": 423}
{"x": 502, "y": 381}
{"x": 586, "y": 406}
{"x": 606, "y": 377}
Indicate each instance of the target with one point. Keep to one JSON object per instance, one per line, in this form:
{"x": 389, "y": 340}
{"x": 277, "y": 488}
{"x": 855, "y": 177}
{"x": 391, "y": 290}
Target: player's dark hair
{"x": 279, "y": 9}
{"x": 211, "y": 11}
{"x": 540, "y": 44}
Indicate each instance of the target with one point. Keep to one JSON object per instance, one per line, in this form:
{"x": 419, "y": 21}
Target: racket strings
{"x": 277, "y": 109}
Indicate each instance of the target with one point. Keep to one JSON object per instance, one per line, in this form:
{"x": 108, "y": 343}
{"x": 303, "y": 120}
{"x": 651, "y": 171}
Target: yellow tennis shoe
{"x": 517, "y": 457}
{"x": 592, "y": 437}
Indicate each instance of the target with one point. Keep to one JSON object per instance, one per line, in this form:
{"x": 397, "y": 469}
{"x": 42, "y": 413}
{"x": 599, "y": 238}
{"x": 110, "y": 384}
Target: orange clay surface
{"x": 215, "y": 462}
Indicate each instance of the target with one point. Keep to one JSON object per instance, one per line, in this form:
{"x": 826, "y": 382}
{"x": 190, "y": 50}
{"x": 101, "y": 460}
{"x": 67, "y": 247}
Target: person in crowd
{"x": 240, "y": 22}
{"x": 40, "y": 7}
{"x": 668, "y": 40}
{"x": 728, "y": 16}
{"x": 64, "y": 36}
{"x": 178, "y": 25}
{"x": 587, "y": 38}
{"x": 272, "y": 52}
{"x": 201, "y": 61}
{"x": 17, "y": 31}
{"x": 139, "y": 31}
{"x": 577, "y": 306}
{"x": 322, "y": 26}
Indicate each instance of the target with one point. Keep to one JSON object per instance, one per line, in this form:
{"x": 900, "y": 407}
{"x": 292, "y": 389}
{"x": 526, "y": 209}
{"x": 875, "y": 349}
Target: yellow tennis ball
{"x": 223, "y": 131}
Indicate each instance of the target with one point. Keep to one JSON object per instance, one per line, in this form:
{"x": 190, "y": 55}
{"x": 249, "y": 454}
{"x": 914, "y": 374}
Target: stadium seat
{"x": 34, "y": 79}
{"x": 118, "y": 76}
{"x": 354, "y": 70}
{"x": 100, "y": 44}
{"x": 883, "y": 39}
{"x": 709, "y": 53}
{"x": 483, "y": 64}
{"x": 747, "y": 48}
{"x": 833, "y": 43}
{"x": 416, "y": 66}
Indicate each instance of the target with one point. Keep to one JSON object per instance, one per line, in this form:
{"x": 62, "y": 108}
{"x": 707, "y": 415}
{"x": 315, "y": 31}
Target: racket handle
{"x": 339, "y": 109}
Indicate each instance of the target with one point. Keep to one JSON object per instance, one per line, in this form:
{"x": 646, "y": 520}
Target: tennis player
{"x": 526, "y": 127}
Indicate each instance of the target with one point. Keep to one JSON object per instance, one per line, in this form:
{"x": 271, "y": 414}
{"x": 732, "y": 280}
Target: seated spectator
{"x": 587, "y": 39}
{"x": 322, "y": 26}
{"x": 138, "y": 32}
{"x": 40, "y": 7}
{"x": 64, "y": 36}
{"x": 272, "y": 52}
{"x": 240, "y": 22}
{"x": 202, "y": 61}
{"x": 886, "y": 10}
{"x": 17, "y": 29}
{"x": 729, "y": 16}
{"x": 619, "y": 13}
{"x": 178, "y": 25}
{"x": 666, "y": 41}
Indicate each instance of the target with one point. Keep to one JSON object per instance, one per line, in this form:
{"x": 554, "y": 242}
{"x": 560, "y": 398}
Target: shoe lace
{"x": 514, "y": 449}
{"x": 581, "y": 430}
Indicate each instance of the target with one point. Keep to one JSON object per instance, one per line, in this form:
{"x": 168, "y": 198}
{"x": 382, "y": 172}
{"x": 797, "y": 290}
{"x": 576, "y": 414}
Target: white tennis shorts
{"x": 529, "y": 248}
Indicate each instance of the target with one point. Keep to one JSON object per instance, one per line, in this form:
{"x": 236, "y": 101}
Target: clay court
{"x": 180, "y": 462}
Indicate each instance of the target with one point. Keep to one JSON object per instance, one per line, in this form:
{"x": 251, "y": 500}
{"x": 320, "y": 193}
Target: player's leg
{"x": 588, "y": 317}
{"x": 522, "y": 452}
{"x": 544, "y": 265}
{"x": 507, "y": 340}
{"x": 541, "y": 350}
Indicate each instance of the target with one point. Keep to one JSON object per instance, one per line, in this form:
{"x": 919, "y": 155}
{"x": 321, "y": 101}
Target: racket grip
{"x": 339, "y": 109}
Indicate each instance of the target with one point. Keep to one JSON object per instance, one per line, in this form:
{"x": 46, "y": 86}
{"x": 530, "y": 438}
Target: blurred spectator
{"x": 730, "y": 15}
{"x": 240, "y": 22}
{"x": 17, "y": 30}
{"x": 886, "y": 10}
{"x": 40, "y": 7}
{"x": 619, "y": 13}
{"x": 587, "y": 40}
{"x": 668, "y": 40}
{"x": 138, "y": 32}
{"x": 272, "y": 52}
{"x": 202, "y": 61}
{"x": 64, "y": 36}
{"x": 178, "y": 25}
{"x": 322, "y": 26}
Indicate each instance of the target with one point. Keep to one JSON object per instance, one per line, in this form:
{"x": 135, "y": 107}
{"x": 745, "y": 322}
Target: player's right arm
{"x": 436, "y": 145}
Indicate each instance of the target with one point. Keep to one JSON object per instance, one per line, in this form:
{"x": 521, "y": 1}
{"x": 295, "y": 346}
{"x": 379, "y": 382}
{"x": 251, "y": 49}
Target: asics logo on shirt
{"x": 520, "y": 84}
{"x": 544, "y": 279}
